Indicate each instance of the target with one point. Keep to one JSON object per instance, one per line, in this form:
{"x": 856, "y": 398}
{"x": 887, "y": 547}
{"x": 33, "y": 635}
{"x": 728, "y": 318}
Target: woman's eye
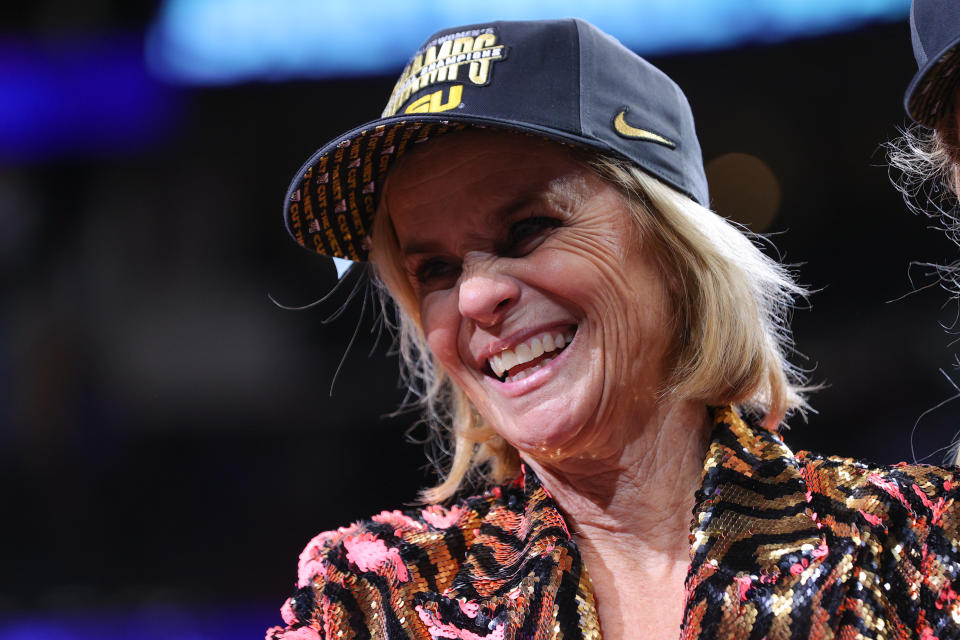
{"x": 526, "y": 234}
{"x": 436, "y": 270}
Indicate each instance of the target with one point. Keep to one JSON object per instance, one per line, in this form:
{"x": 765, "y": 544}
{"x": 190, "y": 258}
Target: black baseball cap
{"x": 935, "y": 32}
{"x": 564, "y": 80}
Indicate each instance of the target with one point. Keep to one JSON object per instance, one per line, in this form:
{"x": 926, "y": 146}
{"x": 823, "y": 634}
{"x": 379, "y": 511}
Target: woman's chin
{"x": 551, "y": 440}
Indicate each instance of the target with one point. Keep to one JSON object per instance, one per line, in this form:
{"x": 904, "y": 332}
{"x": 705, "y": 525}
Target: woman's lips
{"x": 512, "y": 365}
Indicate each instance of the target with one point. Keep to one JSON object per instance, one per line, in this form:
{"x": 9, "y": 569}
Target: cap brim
{"x": 932, "y": 86}
{"x": 330, "y": 204}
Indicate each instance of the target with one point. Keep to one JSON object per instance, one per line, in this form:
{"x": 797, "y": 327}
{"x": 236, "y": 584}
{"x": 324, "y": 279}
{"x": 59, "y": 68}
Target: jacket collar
{"x": 749, "y": 476}
{"x": 751, "y": 534}
{"x": 751, "y": 484}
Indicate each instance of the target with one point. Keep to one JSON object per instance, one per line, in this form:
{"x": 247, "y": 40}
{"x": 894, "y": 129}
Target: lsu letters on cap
{"x": 560, "y": 79}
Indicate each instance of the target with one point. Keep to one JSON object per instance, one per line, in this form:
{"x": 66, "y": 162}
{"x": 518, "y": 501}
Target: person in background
{"x": 925, "y": 159}
{"x": 605, "y": 358}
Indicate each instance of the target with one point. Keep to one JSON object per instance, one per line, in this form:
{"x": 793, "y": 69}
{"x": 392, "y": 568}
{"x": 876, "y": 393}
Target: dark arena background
{"x": 169, "y": 439}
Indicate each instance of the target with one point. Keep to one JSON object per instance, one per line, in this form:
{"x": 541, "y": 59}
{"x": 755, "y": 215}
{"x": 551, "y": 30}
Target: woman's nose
{"x": 485, "y": 297}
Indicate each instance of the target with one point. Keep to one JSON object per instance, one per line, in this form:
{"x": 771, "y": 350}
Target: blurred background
{"x": 168, "y": 436}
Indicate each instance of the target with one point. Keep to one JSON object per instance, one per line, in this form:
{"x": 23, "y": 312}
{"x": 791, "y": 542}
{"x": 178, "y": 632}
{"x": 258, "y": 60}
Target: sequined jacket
{"x": 783, "y": 545}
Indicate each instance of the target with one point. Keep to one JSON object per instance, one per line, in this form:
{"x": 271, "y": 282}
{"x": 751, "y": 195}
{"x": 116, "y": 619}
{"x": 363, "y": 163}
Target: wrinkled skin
{"x": 504, "y": 236}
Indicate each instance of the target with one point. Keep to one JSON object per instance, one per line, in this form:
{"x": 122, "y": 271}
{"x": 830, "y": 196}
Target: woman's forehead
{"x": 485, "y": 166}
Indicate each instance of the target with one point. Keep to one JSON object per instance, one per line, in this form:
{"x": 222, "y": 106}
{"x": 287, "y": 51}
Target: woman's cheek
{"x": 443, "y": 345}
{"x": 440, "y": 325}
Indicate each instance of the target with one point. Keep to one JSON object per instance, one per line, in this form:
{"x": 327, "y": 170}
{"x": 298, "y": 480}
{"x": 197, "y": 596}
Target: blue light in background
{"x": 227, "y": 41}
{"x": 79, "y": 95}
{"x": 155, "y": 622}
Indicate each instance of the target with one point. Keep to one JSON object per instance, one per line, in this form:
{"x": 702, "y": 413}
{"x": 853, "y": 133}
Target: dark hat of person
{"x": 935, "y": 33}
{"x": 564, "y": 80}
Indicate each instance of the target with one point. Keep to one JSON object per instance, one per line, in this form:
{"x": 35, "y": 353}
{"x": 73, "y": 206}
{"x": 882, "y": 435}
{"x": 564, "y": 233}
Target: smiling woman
{"x": 559, "y": 257}
{"x": 607, "y": 356}
{"x": 547, "y": 254}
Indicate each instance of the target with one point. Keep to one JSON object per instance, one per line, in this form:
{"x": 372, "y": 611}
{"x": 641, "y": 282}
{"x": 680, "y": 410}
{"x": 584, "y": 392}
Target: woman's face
{"x": 535, "y": 291}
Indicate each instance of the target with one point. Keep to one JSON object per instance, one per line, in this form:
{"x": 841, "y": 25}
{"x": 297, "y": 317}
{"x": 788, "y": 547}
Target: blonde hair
{"x": 732, "y": 303}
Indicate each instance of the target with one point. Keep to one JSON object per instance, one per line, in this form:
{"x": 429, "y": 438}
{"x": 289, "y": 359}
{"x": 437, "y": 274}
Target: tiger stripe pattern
{"x": 782, "y": 546}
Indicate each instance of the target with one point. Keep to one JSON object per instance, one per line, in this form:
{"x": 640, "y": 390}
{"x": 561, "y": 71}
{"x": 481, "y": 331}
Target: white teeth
{"x": 524, "y": 353}
{"x": 508, "y": 360}
{"x": 536, "y": 347}
{"x": 496, "y": 363}
{"x": 527, "y": 351}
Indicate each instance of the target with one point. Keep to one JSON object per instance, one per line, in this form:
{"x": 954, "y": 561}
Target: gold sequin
{"x": 783, "y": 546}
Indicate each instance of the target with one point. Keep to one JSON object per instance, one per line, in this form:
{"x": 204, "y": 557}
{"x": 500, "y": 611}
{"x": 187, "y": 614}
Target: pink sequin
{"x": 309, "y": 570}
{"x": 442, "y": 518}
{"x": 272, "y": 633}
{"x": 524, "y": 528}
{"x": 947, "y": 596}
{"x": 872, "y": 519}
{"x": 398, "y": 520}
{"x": 927, "y": 634}
{"x": 889, "y": 486}
{"x": 439, "y": 629}
{"x": 286, "y": 612}
{"x": 470, "y": 609}
{"x": 311, "y": 558}
{"x": 369, "y": 553}
{"x": 923, "y": 497}
{"x": 303, "y": 633}
{"x": 743, "y": 585}
{"x": 311, "y": 565}
{"x": 938, "y": 508}
{"x": 822, "y": 551}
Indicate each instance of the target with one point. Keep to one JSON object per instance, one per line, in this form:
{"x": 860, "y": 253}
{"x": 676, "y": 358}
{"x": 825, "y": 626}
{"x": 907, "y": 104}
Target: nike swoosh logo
{"x": 625, "y": 130}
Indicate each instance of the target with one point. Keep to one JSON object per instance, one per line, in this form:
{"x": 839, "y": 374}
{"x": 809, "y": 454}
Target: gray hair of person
{"x": 731, "y": 336}
{"x": 925, "y": 168}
